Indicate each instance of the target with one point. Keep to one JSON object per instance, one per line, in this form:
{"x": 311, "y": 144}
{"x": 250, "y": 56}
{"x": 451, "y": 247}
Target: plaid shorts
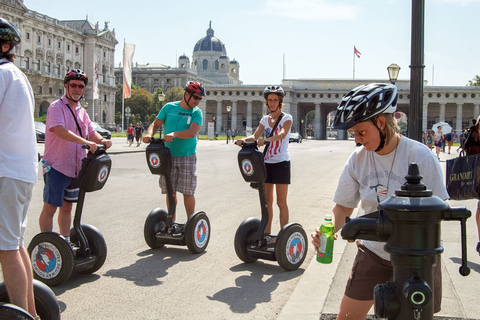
{"x": 183, "y": 175}
{"x": 369, "y": 270}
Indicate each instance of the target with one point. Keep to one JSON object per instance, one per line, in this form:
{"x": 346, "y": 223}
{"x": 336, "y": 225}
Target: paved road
{"x": 139, "y": 283}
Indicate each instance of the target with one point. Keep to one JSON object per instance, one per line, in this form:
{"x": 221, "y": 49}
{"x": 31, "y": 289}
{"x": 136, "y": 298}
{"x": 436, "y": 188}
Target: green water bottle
{"x": 327, "y": 234}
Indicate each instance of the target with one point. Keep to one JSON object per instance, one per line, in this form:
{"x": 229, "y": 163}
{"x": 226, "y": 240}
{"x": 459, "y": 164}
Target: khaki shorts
{"x": 15, "y": 196}
{"x": 369, "y": 270}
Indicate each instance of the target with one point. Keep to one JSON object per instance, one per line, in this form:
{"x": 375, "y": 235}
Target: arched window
{"x": 205, "y": 64}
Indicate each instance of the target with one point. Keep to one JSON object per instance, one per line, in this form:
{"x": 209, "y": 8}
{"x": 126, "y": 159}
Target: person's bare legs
{"x": 65, "y": 218}
{"x": 269, "y": 199}
{"x": 46, "y": 217}
{"x": 282, "y": 191}
{"x": 351, "y": 309}
{"x": 189, "y": 202}
{"x": 17, "y": 275}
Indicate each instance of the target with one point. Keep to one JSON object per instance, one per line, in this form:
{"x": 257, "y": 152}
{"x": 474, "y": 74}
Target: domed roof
{"x": 210, "y": 42}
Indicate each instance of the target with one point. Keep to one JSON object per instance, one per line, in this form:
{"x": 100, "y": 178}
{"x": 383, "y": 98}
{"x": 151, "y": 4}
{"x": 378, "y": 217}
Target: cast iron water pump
{"x": 410, "y": 224}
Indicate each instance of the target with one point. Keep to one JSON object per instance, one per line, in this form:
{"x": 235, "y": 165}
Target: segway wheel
{"x": 291, "y": 247}
{"x": 156, "y": 222}
{"x": 245, "y": 236}
{"x": 12, "y": 312}
{"x": 46, "y": 302}
{"x": 52, "y": 258}
{"x": 96, "y": 244}
{"x": 197, "y": 232}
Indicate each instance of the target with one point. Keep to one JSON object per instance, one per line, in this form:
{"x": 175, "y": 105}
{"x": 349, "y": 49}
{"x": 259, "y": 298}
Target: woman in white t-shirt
{"x": 277, "y": 159}
{"x": 438, "y": 141}
{"x": 372, "y": 173}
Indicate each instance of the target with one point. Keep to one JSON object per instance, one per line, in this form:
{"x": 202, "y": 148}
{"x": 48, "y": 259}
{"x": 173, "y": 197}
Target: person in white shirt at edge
{"x": 18, "y": 170}
{"x": 372, "y": 173}
{"x": 277, "y": 159}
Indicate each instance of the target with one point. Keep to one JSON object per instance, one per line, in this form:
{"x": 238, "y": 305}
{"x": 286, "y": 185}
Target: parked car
{"x": 40, "y": 131}
{"x": 295, "y": 137}
{"x": 103, "y": 132}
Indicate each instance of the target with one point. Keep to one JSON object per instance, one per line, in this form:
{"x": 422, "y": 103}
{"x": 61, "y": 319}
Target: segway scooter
{"x": 53, "y": 259}
{"x": 290, "y": 247}
{"x": 46, "y": 304}
{"x": 160, "y": 229}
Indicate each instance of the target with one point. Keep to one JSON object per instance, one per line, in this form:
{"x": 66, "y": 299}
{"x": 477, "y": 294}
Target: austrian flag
{"x": 357, "y": 53}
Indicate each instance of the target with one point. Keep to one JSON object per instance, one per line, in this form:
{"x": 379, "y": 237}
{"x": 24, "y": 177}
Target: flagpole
{"x": 354, "y": 62}
{"x": 123, "y": 87}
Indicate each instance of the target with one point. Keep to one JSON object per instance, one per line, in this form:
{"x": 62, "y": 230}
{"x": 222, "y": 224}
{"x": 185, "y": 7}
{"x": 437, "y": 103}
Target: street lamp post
{"x": 229, "y": 108}
{"x": 161, "y": 98}
{"x": 393, "y": 71}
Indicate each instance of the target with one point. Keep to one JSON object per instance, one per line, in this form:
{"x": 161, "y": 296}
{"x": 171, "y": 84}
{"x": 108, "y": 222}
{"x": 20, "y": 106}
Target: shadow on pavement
{"x": 255, "y": 288}
{"x": 142, "y": 273}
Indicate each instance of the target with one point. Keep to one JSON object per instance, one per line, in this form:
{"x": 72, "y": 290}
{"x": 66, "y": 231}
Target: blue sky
{"x": 316, "y": 36}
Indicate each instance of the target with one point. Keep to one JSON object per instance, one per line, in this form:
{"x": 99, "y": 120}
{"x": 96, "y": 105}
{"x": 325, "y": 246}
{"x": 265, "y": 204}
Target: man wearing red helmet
{"x": 18, "y": 170}
{"x": 182, "y": 120}
{"x": 68, "y": 127}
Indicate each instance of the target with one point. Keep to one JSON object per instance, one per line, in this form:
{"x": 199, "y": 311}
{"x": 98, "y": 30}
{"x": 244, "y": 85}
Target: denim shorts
{"x": 58, "y": 188}
{"x": 15, "y": 196}
{"x": 183, "y": 175}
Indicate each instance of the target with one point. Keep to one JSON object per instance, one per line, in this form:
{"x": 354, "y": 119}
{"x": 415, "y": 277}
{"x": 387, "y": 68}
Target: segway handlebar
{"x": 99, "y": 147}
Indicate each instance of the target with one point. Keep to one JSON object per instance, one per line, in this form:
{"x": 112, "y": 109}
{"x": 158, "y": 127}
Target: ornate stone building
{"x": 50, "y": 47}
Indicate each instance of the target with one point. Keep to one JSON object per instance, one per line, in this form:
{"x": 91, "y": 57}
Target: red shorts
{"x": 369, "y": 270}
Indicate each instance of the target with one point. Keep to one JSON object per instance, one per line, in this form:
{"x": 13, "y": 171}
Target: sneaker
{"x": 478, "y": 247}
{"x": 270, "y": 240}
{"x": 178, "y": 228}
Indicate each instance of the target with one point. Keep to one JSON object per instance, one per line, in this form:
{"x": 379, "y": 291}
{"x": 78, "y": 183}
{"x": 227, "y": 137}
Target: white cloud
{"x": 309, "y": 10}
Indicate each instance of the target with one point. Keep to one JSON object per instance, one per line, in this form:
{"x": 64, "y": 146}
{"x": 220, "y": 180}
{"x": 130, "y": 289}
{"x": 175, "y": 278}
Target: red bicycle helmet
{"x": 76, "y": 74}
{"x": 194, "y": 86}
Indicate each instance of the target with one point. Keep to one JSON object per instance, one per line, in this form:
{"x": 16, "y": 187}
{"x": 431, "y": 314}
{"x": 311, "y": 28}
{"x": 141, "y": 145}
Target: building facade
{"x": 50, "y": 47}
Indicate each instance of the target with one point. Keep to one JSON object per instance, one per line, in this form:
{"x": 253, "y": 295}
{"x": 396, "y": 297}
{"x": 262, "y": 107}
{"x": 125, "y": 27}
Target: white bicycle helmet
{"x": 364, "y": 103}
{"x": 273, "y": 89}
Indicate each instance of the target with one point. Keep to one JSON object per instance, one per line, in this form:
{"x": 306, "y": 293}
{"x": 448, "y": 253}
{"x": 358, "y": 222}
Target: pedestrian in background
{"x": 138, "y": 134}
{"x": 130, "y": 132}
{"x": 18, "y": 170}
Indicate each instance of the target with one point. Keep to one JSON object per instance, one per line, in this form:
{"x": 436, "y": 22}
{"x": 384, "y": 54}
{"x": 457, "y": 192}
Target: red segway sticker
{"x": 295, "y": 248}
{"x": 103, "y": 174}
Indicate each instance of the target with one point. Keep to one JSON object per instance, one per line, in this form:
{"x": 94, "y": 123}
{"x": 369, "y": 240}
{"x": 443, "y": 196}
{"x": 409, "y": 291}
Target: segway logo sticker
{"x": 247, "y": 167}
{"x": 201, "y": 233}
{"x": 154, "y": 160}
{"x": 46, "y": 260}
{"x": 103, "y": 174}
{"x": 295, "y": 248}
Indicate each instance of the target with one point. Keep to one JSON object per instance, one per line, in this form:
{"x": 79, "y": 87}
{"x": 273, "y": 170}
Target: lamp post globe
{"x": 393, "y": 71}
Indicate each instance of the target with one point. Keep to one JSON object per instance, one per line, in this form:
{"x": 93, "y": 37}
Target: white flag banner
{"x": 95, "y": 81}
{"x": 128, "y": 51}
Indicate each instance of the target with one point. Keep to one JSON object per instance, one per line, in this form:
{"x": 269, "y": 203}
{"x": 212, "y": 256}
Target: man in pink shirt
{"x": 68, "y": 127}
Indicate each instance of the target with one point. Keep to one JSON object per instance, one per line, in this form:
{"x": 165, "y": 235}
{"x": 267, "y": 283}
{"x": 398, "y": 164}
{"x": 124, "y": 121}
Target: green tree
{"x": 141, "y": 104}
{"x": 475, "y": 82}
{"x": 174, "y": 94}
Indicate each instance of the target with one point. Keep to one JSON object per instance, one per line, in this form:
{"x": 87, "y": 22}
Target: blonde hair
{"x": 391, "y": 126}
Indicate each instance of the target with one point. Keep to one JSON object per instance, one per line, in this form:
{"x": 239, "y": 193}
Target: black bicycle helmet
{"x": 76, "y": 74}
{"x": 196, "y": 87}
{"x": 364, "y": 103}
{"x": 273, "y": 89}
{"x": 8, "y": 32}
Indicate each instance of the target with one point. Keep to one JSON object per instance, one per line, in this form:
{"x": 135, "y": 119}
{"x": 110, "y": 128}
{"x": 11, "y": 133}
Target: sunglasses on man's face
{"x": 79, "y": 86}
{"x": 359, "y": 133}
{"x": 196, "y": 97}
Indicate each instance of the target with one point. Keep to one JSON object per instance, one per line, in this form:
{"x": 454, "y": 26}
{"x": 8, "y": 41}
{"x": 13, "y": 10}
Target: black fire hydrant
{"x": 410, "y": 224}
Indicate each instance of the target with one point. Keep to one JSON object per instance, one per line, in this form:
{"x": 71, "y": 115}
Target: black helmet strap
{"x": 382, "y": 136}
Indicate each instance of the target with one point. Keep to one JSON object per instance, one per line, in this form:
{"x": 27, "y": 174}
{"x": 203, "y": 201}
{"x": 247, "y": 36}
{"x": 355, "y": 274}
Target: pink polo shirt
{"x": 65, "y": 156}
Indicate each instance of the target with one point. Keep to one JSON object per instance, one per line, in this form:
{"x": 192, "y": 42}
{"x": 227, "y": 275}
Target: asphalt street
{"x": 137, "y": 282}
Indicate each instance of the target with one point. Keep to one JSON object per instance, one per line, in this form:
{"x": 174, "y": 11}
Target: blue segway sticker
{"x": 154, "y": 160}
{"x": 247, "y": 167}
{"x": 295, "y": 248}
{"x": 103, "y": 174}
